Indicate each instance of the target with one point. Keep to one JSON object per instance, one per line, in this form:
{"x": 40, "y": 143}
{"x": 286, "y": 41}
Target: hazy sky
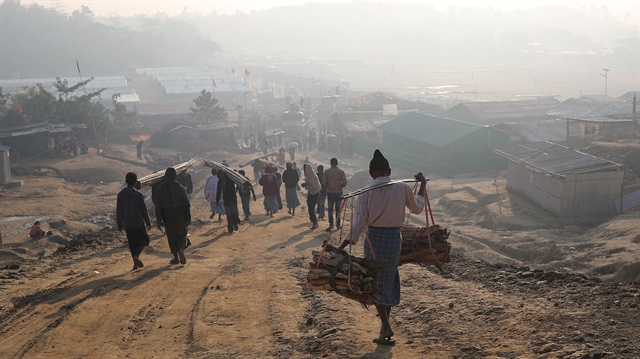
{"x": 625, "y": 10}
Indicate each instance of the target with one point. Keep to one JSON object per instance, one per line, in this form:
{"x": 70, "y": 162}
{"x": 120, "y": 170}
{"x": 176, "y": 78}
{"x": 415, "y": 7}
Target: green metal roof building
{"x": 442, "y": 145}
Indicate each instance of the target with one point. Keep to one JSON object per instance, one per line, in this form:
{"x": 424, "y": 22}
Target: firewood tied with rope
{"x": 333, "y": 269}
{"x": 425, "y": 245}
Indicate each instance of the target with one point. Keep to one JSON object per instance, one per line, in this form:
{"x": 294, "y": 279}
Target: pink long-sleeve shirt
{"x": 383, "y": 207}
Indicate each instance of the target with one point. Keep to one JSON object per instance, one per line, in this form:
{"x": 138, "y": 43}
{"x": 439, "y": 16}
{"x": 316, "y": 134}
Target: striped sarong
{"x": 292, "y": 197}
{"x": 387, "y": 244}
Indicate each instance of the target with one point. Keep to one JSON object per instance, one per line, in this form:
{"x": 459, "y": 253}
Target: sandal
{"x": 385, "y": 341}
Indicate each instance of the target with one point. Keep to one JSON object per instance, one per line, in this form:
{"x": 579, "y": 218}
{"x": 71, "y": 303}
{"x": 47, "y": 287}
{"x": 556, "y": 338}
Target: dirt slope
{"x": 243, "y": 295}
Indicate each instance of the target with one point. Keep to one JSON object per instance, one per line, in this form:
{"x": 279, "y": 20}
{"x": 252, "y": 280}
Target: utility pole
{"x": 606, "y": 72}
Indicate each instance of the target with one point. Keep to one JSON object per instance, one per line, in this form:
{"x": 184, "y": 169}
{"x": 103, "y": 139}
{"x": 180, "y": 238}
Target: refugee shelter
{"x": 497, "y": 112}
{"x": 442, "y": 145}
{"x": 27, "y": 140}
{"x": 590, "y": 107}
{"x": 563, "y": 181}
{"x": 547, "y": 130}
{"x": 181, "y": 135}
{"x": 586, "y": 128}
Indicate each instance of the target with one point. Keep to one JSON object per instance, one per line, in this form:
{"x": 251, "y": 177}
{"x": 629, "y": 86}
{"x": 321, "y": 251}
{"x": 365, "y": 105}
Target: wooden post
{"x": 95, "y": 133}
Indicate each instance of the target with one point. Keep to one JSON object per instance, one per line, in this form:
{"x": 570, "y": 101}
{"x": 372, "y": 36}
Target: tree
{"x": 121, "y": 116}
{"x": 38, "y": 104}
{"x": 41, "y": 106}
{"x": 3, "y": 103}
{"x": 207, "y": 109}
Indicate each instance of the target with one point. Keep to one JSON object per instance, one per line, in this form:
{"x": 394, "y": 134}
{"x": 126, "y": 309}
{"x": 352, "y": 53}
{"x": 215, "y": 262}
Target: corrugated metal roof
{"x": 34, "y": 128}
{"x": 192, "y": 80}
{"x": 547, "y": 130}
{"x": 628, "y": 96}
{"x": 587, "y": 107}
{"x": 182, "y": 127}
{"x": 555, "y": 159}
{"x": 602, "y": 120}
{"x": 494, "y": 112}
{"x": 364, "y": 125}
{"x": 430, "y": 129}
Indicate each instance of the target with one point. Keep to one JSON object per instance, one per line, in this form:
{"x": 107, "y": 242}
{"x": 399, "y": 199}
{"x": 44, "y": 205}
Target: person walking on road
{"x": 210, "y": 189}
{"x": 132, "y": 217}
{"x": 270, "y": 187}
{"x": 174, "y": 213}
{"x": 312, "y": 184}
{"x": 334, "y": 180}
{"x": 227, "y": 190}
{"x": 245, "y": 193}
{"x": 322, "y": 196}
{"x": 290, "y": 178}
{"x": 139, "y": 148}
{"x": 382, "y": 212}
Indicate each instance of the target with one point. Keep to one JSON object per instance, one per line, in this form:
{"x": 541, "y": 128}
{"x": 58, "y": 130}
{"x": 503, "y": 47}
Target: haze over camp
{"x": 335, "y": 179}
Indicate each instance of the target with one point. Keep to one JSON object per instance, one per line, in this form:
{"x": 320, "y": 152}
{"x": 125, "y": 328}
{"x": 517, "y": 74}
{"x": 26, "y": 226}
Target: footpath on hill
{"x": 243, "y": 295}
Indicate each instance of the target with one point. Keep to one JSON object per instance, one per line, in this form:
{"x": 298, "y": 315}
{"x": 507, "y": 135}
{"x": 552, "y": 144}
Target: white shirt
{"x": 383, "y": 207}
{"x": 210, "y": 189}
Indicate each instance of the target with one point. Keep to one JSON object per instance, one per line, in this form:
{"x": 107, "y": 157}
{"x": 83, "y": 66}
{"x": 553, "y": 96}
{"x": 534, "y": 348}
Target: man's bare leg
{"x": 385, "y": 329}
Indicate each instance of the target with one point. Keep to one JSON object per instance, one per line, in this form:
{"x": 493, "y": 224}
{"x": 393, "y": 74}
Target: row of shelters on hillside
{"x": 39, "y": 138}
{"x": 566, "y": 182}
{"x": 453, "y": 146}
{"x": 187, "y": 82}
{"x": 563, "y": 181}
{"x": 114, "y": 88}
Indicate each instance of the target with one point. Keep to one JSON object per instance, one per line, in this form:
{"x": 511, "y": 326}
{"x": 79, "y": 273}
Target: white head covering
{"x": 311, "y": 179}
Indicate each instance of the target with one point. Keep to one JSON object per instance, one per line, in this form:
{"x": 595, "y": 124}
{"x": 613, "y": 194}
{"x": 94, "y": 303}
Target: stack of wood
{"x": 264, "y": 162}
{"x": 158, "y": 176}
{"x": 425, "y": 246}
{"x": 236, "y": 177}
{"x": 333, "y": 269}
{"x": 266, "y": 158}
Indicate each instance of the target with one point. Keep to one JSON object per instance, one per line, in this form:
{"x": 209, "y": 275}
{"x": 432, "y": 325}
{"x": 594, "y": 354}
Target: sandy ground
{"x": 522, "y": 283}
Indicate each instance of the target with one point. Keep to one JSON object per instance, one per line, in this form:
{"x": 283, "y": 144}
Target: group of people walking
{"x": 380, "y": 212}
{"x": 323, "y": 187}
{"x": 173, "y": 215}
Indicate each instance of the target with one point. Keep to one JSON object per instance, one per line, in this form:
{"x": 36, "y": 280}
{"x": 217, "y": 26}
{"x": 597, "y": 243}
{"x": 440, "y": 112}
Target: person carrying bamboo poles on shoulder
{"x": 382, "y": 212}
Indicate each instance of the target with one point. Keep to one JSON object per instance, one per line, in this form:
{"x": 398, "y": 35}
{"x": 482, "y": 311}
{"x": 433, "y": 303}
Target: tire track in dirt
{"x": 36, "y": 307}
{"x": 196, "y": 312}
{"x": 44, "y": 331}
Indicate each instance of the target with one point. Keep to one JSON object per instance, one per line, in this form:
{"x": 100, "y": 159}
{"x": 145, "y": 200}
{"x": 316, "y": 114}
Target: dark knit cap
{"x": 379, "y": 162}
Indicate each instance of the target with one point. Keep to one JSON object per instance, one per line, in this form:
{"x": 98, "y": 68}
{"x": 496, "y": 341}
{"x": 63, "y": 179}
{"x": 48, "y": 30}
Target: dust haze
{"x": 494, "y": 50}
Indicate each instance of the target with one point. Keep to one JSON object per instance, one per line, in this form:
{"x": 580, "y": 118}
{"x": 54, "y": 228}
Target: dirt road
{"x": 244, "y": 295}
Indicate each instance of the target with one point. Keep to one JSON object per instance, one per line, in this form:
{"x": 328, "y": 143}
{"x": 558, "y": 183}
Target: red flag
{"x": 213, "y": 83}
{"x": 247, "y": 72}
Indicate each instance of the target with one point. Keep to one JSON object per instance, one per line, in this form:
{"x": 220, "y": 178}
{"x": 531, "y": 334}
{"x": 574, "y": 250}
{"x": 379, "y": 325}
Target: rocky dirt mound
{"x": 357, "y": 181}
{"x": 623, "y": 152}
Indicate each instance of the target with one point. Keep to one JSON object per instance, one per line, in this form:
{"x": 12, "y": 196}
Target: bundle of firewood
{"x": 333, "y": 269}
{"x": 425, "y": 245}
